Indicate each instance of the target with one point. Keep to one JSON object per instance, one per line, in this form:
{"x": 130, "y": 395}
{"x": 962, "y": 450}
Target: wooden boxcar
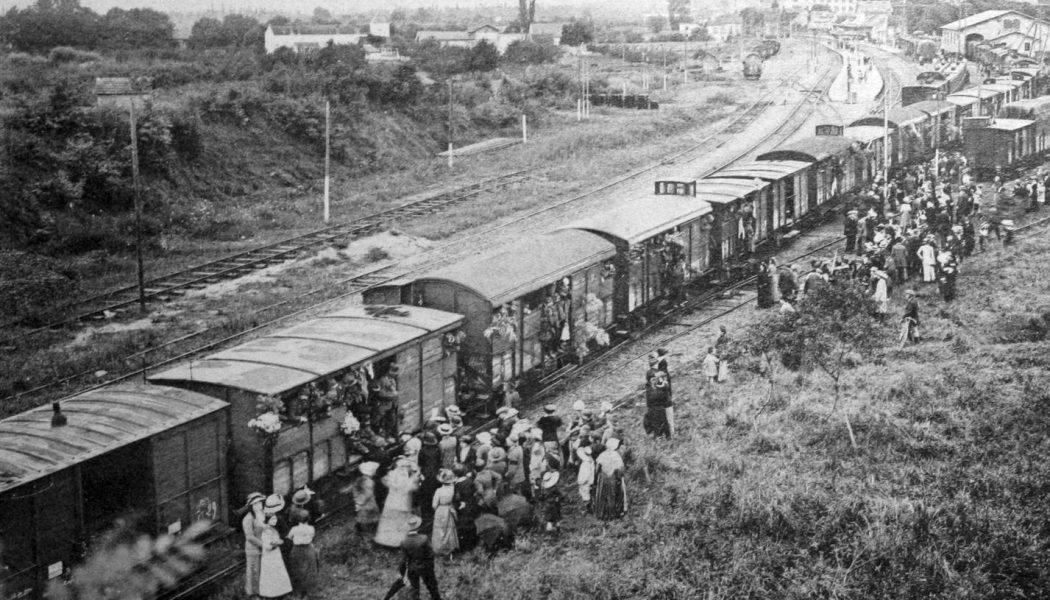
{"x": 789, "y": 182}
{"x": 740, "y": 218}
{"x": 831, "y": 158}
{"x": 911, "y": 133}
{"x": 155, "y": 457}
{"x": 661, "y": 245}
{"x": 991, "y": 146}
{"x": 529, "y": 308}
{"x": 943, "y": 127}
{"x": 990, "y": 101}
{"x": 872, "y": 140}
{"x": 1033, "y": 109}
{"x": 310, "y": 446}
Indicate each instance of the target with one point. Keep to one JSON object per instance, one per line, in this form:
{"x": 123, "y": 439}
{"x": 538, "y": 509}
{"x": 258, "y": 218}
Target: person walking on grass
{"x": 417, "y": 564}
{"x": 910, "y": 320}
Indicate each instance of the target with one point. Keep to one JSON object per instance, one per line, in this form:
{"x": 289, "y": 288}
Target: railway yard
{"x": 760, "y": 493}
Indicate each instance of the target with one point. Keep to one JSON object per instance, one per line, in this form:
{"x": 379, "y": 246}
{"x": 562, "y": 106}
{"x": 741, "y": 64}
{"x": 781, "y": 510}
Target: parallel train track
{"x": 181, "y": 348}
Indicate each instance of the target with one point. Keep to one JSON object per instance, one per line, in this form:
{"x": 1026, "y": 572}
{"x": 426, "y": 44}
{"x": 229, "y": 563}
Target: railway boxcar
{"x": 911, "y": 133}
{"x": 1033, "y": 109}
{"x": 871, "y": 140}
{"x": 990, "y": 101}
{"x": 789, "y": 187}
{"x": 997, "y": 146}
{"x": 661, "y": 245}
{"x": 530, "y": 308}
{"x": 297, "y": 369}
{"x": 1009, "y": 91}
{"x": 832, "y": 161}
{"x": 911, "y": 94}
{"x": 739, "y": 219}
{"x": 943, "y": 127}
{"x": 155, "y": 456}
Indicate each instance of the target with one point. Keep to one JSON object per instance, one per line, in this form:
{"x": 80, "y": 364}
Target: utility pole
{"x": 327, "y": 155}
{"x": 885, "y": 149}
{"x": 450, "y": 122}
{"x": 138, "y": 208}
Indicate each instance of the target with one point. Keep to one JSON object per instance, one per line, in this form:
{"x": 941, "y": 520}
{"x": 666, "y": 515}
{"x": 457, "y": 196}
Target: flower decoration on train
{"x": 267, "y": 425}
{"x": 502, "y": 326}
{"x": 451, "y": 342}
{"x": 350, "y": 424}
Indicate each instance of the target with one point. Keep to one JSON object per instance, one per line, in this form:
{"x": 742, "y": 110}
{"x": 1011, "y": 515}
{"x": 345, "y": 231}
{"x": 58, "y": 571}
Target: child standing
{"x": 552, "y": 501}
{"x": 585, "y": 476}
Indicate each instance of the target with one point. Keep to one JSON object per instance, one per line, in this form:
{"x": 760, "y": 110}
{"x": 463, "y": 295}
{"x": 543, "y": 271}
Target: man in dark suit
{"x": 417, "y": 564}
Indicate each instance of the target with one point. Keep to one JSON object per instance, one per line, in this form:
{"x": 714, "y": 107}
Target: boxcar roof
{"x": 725, "y": 190}
{"x": 933, "y": 107}
{"x": 811, "y": 149}
{"x": 864, "y": 133}
{"x": 635, "y": 221}
{"x": 513, "y": 271}
{"x": 1010, "y": 124}
{"x": 97, "y": 422}
{"x": 767, "y": 169}
{"x": 897, "y": 117}
{"x": 961, "y": 100}
{"x": 295, "y": 356}
{"x": 1024, "y": 109}
{"x": 981, "y": 92}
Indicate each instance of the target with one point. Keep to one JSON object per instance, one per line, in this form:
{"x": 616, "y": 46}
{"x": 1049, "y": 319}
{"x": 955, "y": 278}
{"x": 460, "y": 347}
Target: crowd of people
{"x": 280, "y": 557}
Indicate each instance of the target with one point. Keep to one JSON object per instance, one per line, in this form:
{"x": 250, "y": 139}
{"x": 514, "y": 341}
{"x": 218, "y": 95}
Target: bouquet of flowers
{"x": 267, "y": 424}
{"x": 350, "y": 424}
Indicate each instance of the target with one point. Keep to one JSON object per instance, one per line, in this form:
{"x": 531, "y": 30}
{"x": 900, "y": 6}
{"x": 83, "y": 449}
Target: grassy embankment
{"x": 943, "y": 497}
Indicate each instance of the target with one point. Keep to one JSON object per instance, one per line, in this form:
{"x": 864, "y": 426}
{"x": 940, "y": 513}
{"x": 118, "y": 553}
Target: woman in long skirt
{"x": 444, "y": 539}
{"x": 303, "y": 562}
{"x": 610, "y": 495}
{"x": 273, "y": 577}
{"x": 402, "y": 482}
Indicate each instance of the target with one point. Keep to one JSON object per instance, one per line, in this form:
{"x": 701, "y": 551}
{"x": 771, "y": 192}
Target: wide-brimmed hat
{"x": 253, "y": 498}
{"x": 510, "y": 413}
{"x": 368, "y": 468}
{"x": 550, "y": 479}
{"x": 578, "y": 405}
{"x": 274, "y": 504}
{"x": 446, "y": 476}
{"x": 414, "y": 522}
{"x": 444, "y": 429}
{"x": 497, "y": 453}
{"x": 612, "y": 444}
{"x": 501, "y": 410}
{"x": 301, "y": 497}
{"x": 429, "y": 439}
{"x": 909, "y": 292}
{"x": 453, "y": 411}
{"x": 413, "y": 446}
{"x": 550, "y": 408}
{"x": 393, "y": 370}
{"x": 484, "y": 437}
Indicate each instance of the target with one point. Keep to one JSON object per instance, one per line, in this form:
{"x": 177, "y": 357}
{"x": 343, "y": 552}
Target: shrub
{"x": 65, "y": 54}
{"x": 376, "y": 254}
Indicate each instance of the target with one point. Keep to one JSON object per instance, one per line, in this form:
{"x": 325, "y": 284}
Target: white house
{"x": 546, "y": 30}
{"x": 470, "y": 38}
{"x": 308, "y": 37}
{"x": 723, "y": 27}
{"x": 1013, "y": 30}
{"x": 379, "y": 28}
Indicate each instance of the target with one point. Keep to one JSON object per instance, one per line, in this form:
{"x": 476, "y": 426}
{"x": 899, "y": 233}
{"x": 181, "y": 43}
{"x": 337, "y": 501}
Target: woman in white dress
{"x": 401, "y": 483}
{"x": 444, "y": 538}
{"x": 273, "y": 577}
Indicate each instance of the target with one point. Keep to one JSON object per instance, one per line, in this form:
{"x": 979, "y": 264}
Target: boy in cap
{"x": 417, "y": 563}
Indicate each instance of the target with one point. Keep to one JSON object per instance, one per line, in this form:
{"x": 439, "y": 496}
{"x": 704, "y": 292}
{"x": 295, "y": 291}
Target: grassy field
{"x": 943, "y": 496}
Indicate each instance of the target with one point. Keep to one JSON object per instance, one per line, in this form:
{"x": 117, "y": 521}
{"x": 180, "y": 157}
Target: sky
{"x": 307, "y": 6}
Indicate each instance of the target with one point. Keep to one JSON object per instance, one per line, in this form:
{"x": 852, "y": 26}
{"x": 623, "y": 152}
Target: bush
{"x": 528, "y": 52}
{"x": 65, "y": 54}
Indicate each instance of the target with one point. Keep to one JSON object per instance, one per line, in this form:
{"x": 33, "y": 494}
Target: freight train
{"x": 271, "y": 414}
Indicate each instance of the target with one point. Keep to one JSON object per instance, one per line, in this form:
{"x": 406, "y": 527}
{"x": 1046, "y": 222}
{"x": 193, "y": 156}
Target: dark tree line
{"x": 51, "y": 23}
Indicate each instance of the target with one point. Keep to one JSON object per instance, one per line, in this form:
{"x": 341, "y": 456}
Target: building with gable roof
{"x": 1007, "y": 29}
{"x": 304, "y": 38}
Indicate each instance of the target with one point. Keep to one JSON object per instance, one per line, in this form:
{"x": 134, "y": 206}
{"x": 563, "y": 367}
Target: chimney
{"x": 58, "y": 419}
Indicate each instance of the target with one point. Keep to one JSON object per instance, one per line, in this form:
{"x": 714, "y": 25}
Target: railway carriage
{"x": 832, "y": 159}
{"x": 871, "y": 140}
{"x": 661, "y": 245}
{"x": 942, "y": 123}
{"x": 997, "y": 145}
{"x": 976, "y": 101}
{"x": 530, "y": 308}
{"x": 911, "y": 135}
{"x": 297, "y": 367}
{"x": 153, "y": 456}
{"x": 1008, "y": 90}
{"x": 789, "y": 183}
{"x": 1033, "y": 109}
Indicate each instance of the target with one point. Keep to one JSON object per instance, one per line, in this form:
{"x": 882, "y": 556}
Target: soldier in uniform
{"x": 386, "y": 405}
{"x": 417, "y": 564}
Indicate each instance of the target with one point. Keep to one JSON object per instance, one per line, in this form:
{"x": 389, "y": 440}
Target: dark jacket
{"x": 418, "y": 556}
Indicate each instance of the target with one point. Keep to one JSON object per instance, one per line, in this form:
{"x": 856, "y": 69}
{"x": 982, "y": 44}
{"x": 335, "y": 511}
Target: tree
{"x": 577, "y": 33}
{"x": 656, "y": 24}
{"x": 526, "y": 14}
{"x": 483, "y": 57}
{"x": 831, "y": 331}
{"x": 136, "y": 28}
{"x": 752, "y": 20}
{"x": 678, "y": 11}
{"x": 322, "y": 16}
{"x": 50, "y": 23}
{"x": 528, "y": 52}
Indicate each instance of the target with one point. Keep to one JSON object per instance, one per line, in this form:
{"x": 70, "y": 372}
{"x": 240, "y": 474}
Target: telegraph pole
{"x": 327, "y": 155}
{"x": 450, "y": 122}
{"x": 138, "y": 208}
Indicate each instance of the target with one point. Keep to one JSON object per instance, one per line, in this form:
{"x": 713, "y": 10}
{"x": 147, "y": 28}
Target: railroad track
{"x": 178, "y": 283}
{"x": 316, "y": 300}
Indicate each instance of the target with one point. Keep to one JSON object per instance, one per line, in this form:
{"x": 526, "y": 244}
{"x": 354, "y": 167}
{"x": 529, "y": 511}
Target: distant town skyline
{"x": 336, "y": 8}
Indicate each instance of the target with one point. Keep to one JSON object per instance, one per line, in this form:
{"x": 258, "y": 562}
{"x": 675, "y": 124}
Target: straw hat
{"x": 414, "y": 522}
{"x": 550, "y": 479}
{"x": 274, "y": 504}
{"x": 484, "y": 438}
{"x": 253, "y": 498}
{"x": 510, "y": 413}
{"x": 550, "y": 408}
{"x": 444, "y": 429}
{"x": 429, "y": 439}
{"x": 302, "y": 497}
{"x": 578, "y": 405}
{"x": 446, "y": 476}
{"x": 453, "y": 411}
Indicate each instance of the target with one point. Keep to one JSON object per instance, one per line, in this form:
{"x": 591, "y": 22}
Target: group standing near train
{"x": 373, "y": 406}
